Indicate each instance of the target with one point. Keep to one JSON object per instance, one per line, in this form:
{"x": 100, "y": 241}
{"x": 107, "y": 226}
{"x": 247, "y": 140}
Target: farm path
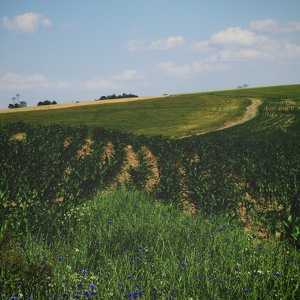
{"x": 250, "y": 113}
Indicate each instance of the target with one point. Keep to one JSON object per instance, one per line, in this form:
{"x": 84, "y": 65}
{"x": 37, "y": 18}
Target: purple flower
{"x": 184, "y": 264}
{"x": 84, "y": 272}
{"x": 277, "y": 274}
{"x": 65, "y": 295}
{"x": 60, "y": 258}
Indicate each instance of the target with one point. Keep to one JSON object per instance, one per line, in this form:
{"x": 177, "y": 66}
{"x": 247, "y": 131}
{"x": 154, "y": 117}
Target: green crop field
{"x": 107, "y": 202}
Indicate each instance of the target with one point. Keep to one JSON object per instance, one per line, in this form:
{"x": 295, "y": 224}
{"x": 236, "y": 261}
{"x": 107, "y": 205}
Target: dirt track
{"x": 250, "y": 113}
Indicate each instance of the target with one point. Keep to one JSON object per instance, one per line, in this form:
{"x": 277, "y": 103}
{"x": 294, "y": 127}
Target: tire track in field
{"x": 250, "y": 113}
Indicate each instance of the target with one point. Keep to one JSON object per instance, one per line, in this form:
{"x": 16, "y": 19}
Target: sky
{"x": 72, "y": 50}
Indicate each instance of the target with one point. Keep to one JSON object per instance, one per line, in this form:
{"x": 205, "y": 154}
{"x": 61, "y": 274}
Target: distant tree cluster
{"x": 46, "y": 102}
{"x": 114, "y": 96}
{"x": 243, "y": 86}
{"x": 18, "y": 105}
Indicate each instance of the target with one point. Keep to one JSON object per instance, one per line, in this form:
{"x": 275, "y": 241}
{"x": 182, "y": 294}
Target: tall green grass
{"x": 124, "y": 245}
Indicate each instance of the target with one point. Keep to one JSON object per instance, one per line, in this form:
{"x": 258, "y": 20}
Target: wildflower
{"x": 97, "y": 271}
{"x": 260, "y": 247}
{"x": 129, "y": 276}
{"x": 77, "y": 296}
{"x": 84, "y": 272}
{"x": 92, "y": 286}
{"x": 184, "y": 264}
{"x": 246, "y": 290}
{"x": 86, "y": 292}
{"x": 237, "y": 269}
{"x": 277, "y": 274}
{"x": 65, "y": 295}
{"x": 19, "y": 283}
{"x": 60, "y": 258}
{"x": 43, "y": 262}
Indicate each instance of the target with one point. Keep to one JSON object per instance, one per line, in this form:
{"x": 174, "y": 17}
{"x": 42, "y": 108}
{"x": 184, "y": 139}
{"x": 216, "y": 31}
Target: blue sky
{"x": 71, "y": 50}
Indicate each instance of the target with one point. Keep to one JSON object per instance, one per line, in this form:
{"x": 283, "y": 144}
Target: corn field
{"x": 47, "y": 170}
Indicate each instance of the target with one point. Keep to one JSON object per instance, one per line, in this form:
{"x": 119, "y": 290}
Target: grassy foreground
{"x": 124, "y": 245}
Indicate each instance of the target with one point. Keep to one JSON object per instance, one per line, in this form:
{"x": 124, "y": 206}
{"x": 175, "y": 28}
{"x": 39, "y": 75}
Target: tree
{"x": 23, "y": 104}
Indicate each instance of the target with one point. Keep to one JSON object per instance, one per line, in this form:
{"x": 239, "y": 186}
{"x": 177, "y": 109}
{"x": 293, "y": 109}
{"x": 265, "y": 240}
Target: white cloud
{"x": 292, "y": 50}
{"x": 168, "y": 43}
{"x": 201, "y": 46}
{"x": 66, "y": 25}
{"x": 235, "y": 35}
{"x": 135, "y": 45}
{"x": 156, "y": 45}
{"x": 26, "y": 23}
{"x": 15, "y": 81}
{"x": 264, "y": 25}
{"x": 112, "y": 82}
{"x": 236, "y": 44}
{"x": 292, "y": 27}
{"x": 188, "y": 70}
{"x": 97, "y": 83}
{"x": 128, "y": 75}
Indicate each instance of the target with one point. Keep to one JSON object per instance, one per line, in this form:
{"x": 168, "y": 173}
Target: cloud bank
{"x": 26, "y": 23}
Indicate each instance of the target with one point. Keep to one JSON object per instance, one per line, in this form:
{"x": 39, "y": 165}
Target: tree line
{"x": 114, "y": 96}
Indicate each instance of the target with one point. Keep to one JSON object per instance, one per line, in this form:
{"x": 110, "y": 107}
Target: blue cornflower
{"x": 13, "y": 298}
{"x": 237, "y": 269}
{"x": 19, "y": 283}
{"x": 129, "y": 276}
{"x": 184, "y": 264}
{"x": 60, "y": 258}
{"x": 277, "y": 274}
{"x": 43, "y": 262}
{"x": 92, "y": 286}
{"x": 84, "y": 272}
{"x": 246, "y": 290}
{"x": 86, "y": 292}
{"x": 97, "y": 271}
{"x": 260, "y": 247}
{"x": 65, "y": 295}
{"x": 29, "y": 299}
{"x": 77, "y": 296}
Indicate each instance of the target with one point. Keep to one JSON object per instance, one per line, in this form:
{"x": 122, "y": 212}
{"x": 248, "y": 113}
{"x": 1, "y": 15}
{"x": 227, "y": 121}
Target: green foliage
{"x": 123, "y": 244}
{"x": 114, "y": 96}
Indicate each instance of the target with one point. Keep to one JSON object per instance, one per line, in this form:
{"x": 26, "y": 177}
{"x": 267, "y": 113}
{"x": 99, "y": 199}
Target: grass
{"x": 170, "y": 116}
{"x": 124, "y": 245}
